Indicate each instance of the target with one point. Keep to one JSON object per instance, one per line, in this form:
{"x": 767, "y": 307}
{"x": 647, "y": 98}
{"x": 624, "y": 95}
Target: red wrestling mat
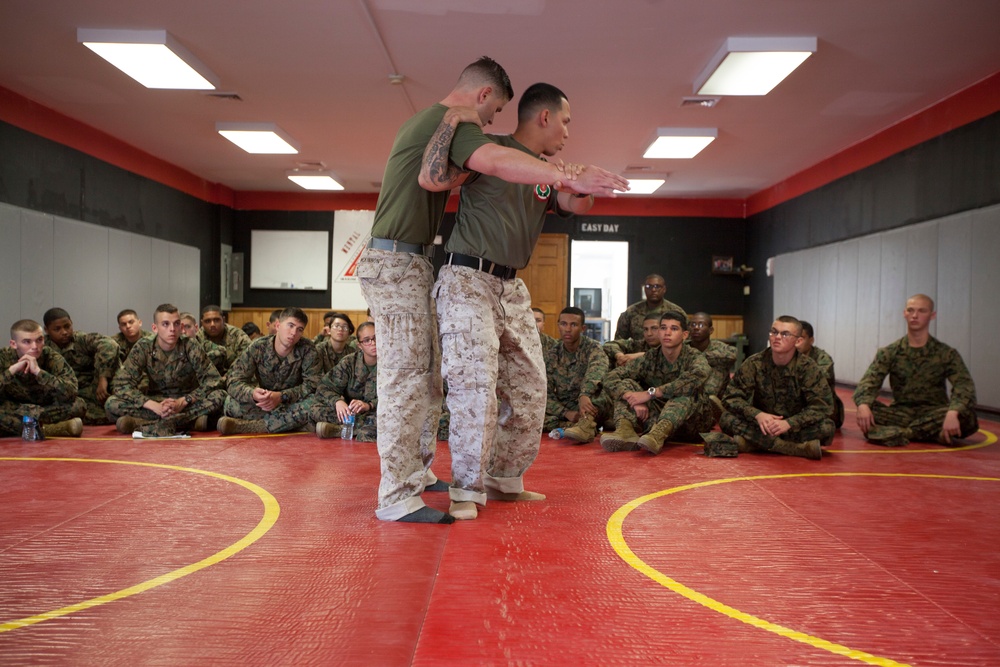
{"x": 265, "y": 550}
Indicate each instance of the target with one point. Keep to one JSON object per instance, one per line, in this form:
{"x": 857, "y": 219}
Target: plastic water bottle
{"x": 556, "y": 434}
{"x": 347, "y": 428}
{"x": 30, "y": 430}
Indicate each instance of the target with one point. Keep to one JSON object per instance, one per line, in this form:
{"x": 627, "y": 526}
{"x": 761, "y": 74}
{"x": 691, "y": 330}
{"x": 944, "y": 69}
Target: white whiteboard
{"x": 289, "y": 259}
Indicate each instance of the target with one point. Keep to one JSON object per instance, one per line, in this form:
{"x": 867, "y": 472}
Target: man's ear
{"x": 543, "y": 117}
{"x": 484, "y": 94}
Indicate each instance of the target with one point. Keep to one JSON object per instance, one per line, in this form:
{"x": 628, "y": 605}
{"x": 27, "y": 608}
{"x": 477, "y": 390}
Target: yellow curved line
{"x": 271, "y": 512}
{"x": 617, "y": 540}
{"x": 990, "y": 439}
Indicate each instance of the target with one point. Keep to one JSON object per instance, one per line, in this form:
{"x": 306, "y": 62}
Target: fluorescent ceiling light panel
{"x": 753, "y": 65}
{"x": 642, "y": 186}
{"x": 680, "y": 142}
{"x": 152, "y": 57}
{"x": 314, "y": 180}
{"x": 258, "y": 138}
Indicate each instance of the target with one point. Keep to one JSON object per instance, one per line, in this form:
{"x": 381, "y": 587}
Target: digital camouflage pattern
{"x": 492, "y": 361}
{"x": 571, "y": 375}
{"x": 124, "y": 346}
{"x": 296, "y": 376}
{"x": 217, "y": 354}
{"x": 233, "y": 340}
{"x": 630, "y": 321}
{"x": 351, "y": 379}
{"x": 797, "y": 391}
{"x": 329, "y": 357}
{"x": 397, "y": 287}
{"x": 184, "y": 371}
{"x": 720, "y": 357}
{"x": 825, "y": 363}
{"x": 684, "y": 403}
{"x": 91, "y": 356}
{"x": 917, "y": 377}
{"x": 626, "y": 346}
{"x": 49, "y": 397}
{"x": 548, "y": 342}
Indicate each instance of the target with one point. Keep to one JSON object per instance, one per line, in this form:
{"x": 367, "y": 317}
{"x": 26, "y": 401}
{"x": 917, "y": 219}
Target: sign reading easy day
{"x": 599, "y": 227}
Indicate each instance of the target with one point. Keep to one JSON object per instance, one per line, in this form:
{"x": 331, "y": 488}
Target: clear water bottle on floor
{"x": 31, "y": 431}
{"x": 556, "y": 434}
{"x": 347, "y": 428}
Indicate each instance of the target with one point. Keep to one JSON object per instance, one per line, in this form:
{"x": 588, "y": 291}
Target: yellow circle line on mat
{"x": 271, "y": 511}
{"x": 990, "y": 439}
{"x": 617, "y": 539}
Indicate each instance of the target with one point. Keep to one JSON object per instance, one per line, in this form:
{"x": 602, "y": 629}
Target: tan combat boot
{"x": 623, "y": 438}
{"x": 71, "y": 428}
{"x": 583, "y": 431}
{"x": 808, "y": 450}
{"x": 231, "y": 426}
{"x": 653, "y": 441}
{"x": 327, "y": 430}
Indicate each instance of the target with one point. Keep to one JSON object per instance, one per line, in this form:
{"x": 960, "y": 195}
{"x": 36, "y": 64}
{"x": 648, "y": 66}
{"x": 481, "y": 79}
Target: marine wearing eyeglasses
{"x": 350, "y": 389}
{"x": 630, "y": 321}
{"x": 779, "y": 400}
{"x": 337, "y": 342}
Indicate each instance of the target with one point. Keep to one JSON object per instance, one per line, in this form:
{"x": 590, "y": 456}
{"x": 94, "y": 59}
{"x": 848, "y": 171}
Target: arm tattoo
{"x": 439, "y": 168}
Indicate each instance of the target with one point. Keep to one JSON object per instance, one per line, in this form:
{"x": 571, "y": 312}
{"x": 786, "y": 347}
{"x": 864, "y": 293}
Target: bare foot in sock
{"x": 493, "y": 494}
{"x": 427, "y": 515}
{"x": 464, "y": 511}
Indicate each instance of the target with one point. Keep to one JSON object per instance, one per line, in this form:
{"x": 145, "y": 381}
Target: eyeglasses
{"x": 651, "y": 286}
{"x": 774, "y": 333}
{"x": 340, "y": 327}
{"x": 367, "y": 341}
{"x": 697, "y": 325}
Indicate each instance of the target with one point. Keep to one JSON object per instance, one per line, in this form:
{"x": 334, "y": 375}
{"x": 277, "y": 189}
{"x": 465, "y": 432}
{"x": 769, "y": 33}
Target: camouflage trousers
{"x": 365, "y": 424}
{"x": 12, "y": 413}
{"x": 117, "y": 406}
{"x": 605, "y": 412}
{"x": 924, "y": 422}
{"x": 736, "y": 425}
{"x": 282, "y": 419}
{"x": 492, "y": 360}
{"x": 95, "y": 413}
{"x": 397, "y": 287}
{"x": 690, "y": 415}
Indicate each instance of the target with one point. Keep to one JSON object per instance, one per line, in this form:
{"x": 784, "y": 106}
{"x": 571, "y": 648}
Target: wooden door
{"x": 547, "y": 278}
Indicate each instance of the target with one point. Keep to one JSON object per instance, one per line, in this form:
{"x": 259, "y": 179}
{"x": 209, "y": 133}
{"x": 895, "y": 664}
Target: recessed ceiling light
{"x": 680, "y": 142}
{"x": 753, "y": 65}
{"x": 152, "y": 57}
{"x": 642, "y": 186}
{"x": 258, "y": 138}
{"x": 314, "y": 180}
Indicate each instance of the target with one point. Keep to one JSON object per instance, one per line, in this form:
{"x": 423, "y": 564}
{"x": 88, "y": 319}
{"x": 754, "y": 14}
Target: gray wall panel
{"x": 159, "y": 267}
{"x": 184, "y": 276}
{"x": 921, "y": 262}
{"x": 868, "y": 302}
{"x": 985, "y": 361}
{"x": 80, "y": 271}
{"x": 129, "y": 278}
{"x": 36, "y": 264}
{"x": 826, "y": 318}
{"x": 954, "y": 288}
{"x": 10, "y": 267}
{"x": 842, "y": 348}
{"x": 892, "y": 286}
{"x": 808, "y": 306}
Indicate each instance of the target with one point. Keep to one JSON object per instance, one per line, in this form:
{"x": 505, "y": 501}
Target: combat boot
{"x": 327, "y": 430}
{"x": 808, "y": 450}
{"x": 128, "y": 425}
{"x": 71, "y": 428}
{"x": 889, "y": 436}
{"x": 200, "y": 424}
{"x": 716, "y": 406}
{"x": 232, "y": 426}
{"x": 583, "y": 431}
{"x": 653, "y": 441}
{"x": 622, "y": 439}
{"x": 742, "y": 446}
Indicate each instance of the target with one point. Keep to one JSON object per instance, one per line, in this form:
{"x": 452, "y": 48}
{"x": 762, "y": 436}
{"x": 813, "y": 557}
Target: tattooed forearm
{"x": 437, "y": 167}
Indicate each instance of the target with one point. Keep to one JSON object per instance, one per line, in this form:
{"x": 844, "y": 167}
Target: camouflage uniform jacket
{"x": 329, "y": 357}
{"x": 573, "y": 374}
{"x": 296, "y": 375}
{"x": 124, "y": 347}
{"x": 721, "y": 357}
{"x": 90, "y": 355}
{"x": 797, "y": 391}
{"x": 548, "y": 342}
{"x": 233, "y": 339}
{"x": 630, "y": 321}
{"x": 825, "y": 363}
{"x": 350, "y": 379}
{"x": 917, "y": 376}
{"x": 684, "y": 377}
{"x": 216, "y": 353}
{"x": 184, "y": 371}
{"x": 626, "y": 346}
{"x": 55, "y": 384}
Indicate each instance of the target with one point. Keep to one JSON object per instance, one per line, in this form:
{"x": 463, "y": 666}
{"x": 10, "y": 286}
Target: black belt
{"x": 498, "y": 270}
{"x": 399, "y": 246}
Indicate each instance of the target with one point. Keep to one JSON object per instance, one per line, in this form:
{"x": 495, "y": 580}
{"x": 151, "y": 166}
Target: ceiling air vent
{"x": 704, "y": 102}
{"x": 222, "y": 95}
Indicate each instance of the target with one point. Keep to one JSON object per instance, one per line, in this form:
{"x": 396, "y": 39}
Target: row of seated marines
{"x": 671, "y": 383}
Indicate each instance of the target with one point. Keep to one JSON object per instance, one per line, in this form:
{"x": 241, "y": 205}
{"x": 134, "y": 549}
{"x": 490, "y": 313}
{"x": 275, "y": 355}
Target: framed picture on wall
{"x": 722, "y": 264}
{"x": 588, "y": 299}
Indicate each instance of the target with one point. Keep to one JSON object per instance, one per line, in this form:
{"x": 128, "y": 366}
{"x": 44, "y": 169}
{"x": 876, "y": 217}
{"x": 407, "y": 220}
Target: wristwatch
{"x": 652, "y": 392}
